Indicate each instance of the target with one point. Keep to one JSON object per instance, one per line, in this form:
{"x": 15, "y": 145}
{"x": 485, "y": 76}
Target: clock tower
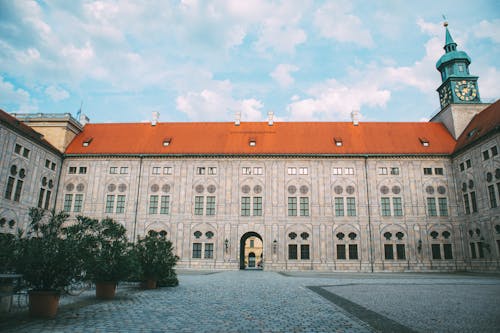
{"x": 458, "y": 92}
{"x": 458, "y": 86}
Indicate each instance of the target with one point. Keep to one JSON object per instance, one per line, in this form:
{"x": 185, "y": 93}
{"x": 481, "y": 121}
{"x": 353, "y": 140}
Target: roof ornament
{"x": 156, "y": 117}
{"x": 237, "y": 118}
{"x": 270, "y": 118}
{"x": 355, "y": 115}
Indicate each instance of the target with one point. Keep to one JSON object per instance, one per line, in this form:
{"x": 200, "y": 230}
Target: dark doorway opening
{"x": 251, "y": 251}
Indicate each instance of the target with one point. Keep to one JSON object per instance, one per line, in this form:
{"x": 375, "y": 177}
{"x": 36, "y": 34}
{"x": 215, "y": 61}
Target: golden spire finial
{"x": 445, "y": 23}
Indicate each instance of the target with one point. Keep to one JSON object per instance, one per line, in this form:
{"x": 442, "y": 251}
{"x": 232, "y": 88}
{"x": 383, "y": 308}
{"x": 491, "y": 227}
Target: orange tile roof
{"x": 283, "y": 138}
{"x": 481, "y": 125}
{"x": 23, "y": 129}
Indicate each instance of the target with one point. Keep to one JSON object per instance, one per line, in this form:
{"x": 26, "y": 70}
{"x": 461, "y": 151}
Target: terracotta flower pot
{"x": 105, "y": 290}
{"x": 149, "y": 284}
{"x": 43, "y": 304}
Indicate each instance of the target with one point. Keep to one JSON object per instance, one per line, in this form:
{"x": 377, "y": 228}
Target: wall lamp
{"x": 226, "y": 244}
{"x": 275, "y": 246}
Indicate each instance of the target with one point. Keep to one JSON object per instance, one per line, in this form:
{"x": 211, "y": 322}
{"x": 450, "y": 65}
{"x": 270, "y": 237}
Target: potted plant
{"x": 108, "y": 256}
{"x": 156, "y": 259}
{"x": 47, "y": 259}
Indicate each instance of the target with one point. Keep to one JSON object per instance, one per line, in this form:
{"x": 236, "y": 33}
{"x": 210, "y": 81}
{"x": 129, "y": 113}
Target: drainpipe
{"x": 141, "y": 157}
{"x": 370, "y": 238}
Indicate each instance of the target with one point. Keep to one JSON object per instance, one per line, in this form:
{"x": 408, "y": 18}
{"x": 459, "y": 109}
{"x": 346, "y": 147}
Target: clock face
{"x": 465, "y": 90}
{"x": 445, "y": 96}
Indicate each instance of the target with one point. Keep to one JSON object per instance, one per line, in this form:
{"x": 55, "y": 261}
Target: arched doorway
{"x": 251, "y": 251}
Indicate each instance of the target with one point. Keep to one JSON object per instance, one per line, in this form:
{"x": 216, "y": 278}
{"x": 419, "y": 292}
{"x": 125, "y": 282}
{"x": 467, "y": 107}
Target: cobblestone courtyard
{"x": 256, "y": 301}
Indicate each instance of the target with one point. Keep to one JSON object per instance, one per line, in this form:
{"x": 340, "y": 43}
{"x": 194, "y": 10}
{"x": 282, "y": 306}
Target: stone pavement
{"x": 256, "y": 301}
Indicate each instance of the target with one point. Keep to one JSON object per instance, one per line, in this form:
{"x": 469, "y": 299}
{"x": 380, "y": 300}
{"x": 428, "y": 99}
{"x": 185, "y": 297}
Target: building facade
{"x": 330, "y": 196}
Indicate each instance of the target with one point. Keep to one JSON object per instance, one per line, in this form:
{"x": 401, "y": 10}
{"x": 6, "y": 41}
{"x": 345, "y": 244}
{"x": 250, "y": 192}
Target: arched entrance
{"x": 251, "y": 251}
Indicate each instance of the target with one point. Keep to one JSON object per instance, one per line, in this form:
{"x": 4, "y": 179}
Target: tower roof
{"x": 451, "y": 51}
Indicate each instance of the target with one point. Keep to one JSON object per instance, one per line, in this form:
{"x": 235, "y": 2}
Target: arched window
{"x": 15, "y": 183}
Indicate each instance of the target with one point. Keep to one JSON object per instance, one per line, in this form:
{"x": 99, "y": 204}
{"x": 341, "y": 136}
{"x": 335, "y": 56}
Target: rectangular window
{"x": 292, "y": 171}
{"x": 120, "y": 204}
{"x": 292, "y": 251}
{"x": 153, "y": 204}
{"x": 382, "y": 171}
{"x": 196, "y": 250}
{"x": 47, "y": 200}
{"x": 353, "y": 251}
{"x": 47, "y": 163}
{"x": 26, "y": 152}
{"x": 245, "y": 206}
{"x": 448, "y": 253}
{"x": 110, "y": 203}
{"x": 246, "y": 171}
{"x": 385, "y": 204}
{"x": 123, "y": 170}
{"x": 167, "y": 170}
{"x": 19, "y": 188}
{"x": 480, "y": 248}
{"x": 258, "y": 171}
{"x": 78, "y": 203}
{"x": 40, "y": 197}
{"x": 341, "y": 251}
{"x": 337, "y": 171}
{"x": 112, "y": 170}
{"x": 462, "y": 166}
{"x": 397, "y": 206}
{"x": 257, "y": 206}
{"x": 351, "y": 206}
{"x": 9, "y": 188}
{"x": 400, "y": 251}
{"x": 468, "y": 163}
{"x": 212, "y": 170}
{"x": 156, "y": 170}
{"x": 473, "y": 250}
{"x": 431, "y": 207}
{"x": 304, "y": 251}
{"x": 443, "y": 206}
{"x": 209, "y": 250}
{"x": 427, "y": 171}
{"x": 303, "y": 171}
{"x": 252, "y": 243}
{"x": 486, "y": 155}
{"x": 82, "y": 170}
{"x": 200, "y": 170}
{"x": 349, "y": 171}
{"x": 304, "y": 206}
{"x": 292, "y": 206}
{"x": 466, "y": 203}
{"x": 198, "y": 205}
{"x": 473, "y": 201}
{"x": 339, "y": 206}
{"x": 210, "y": 206}
{"x": 72, "y": 170}
{"x": 492, "y": 195}
{"x": 494, "y": 151}
{"x": 165, "y": 205}
{"x": 438, "y": 171}
{"x": 436, "y": 251}
{"x": 388, "y": 252}
{"x": 52, "y": 166}
{"x": 395, "y": 171}
{"x": 68, "y": 202}
{"x": 18, "y": 148}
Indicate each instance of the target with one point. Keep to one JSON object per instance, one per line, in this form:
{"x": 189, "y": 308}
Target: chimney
{"x": 237, "y": 118}
{"x": 355, "y": 117}
{"x": 84, "y": 120}
{"x": 270, "y": 116}
{"x": 156, "y": 116}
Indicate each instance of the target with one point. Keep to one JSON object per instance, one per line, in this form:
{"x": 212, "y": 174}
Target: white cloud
{"x": 334, "y": 20}
{"x": 281, "y": 74}
{"x": 487, "y": 29}
{"x": 57, "y": 94}
{"x": 15, "y": 97}
{"x": 215, "y": 103}
{"x": 488, "y": 84}
{"x": 335, "y": 101}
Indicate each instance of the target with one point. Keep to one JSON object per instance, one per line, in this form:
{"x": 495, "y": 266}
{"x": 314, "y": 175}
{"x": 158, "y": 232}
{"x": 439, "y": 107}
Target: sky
{"x": 194, "y": 60}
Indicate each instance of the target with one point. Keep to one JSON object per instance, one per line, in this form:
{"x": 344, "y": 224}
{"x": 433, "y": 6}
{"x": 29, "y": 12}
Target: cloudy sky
{"x": 194, "y": 60}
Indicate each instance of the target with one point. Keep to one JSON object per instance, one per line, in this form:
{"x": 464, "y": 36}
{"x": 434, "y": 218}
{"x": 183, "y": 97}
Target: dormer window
{"x": 338, "y": 142}
{"x": 252, "y": 142}
{"x": 424, "y": 142}
{"x": 166, "y": 142}
{"x": 87, "y": 142}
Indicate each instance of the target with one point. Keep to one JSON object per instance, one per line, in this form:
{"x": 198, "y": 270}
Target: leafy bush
{"x": 7, "y": 253}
